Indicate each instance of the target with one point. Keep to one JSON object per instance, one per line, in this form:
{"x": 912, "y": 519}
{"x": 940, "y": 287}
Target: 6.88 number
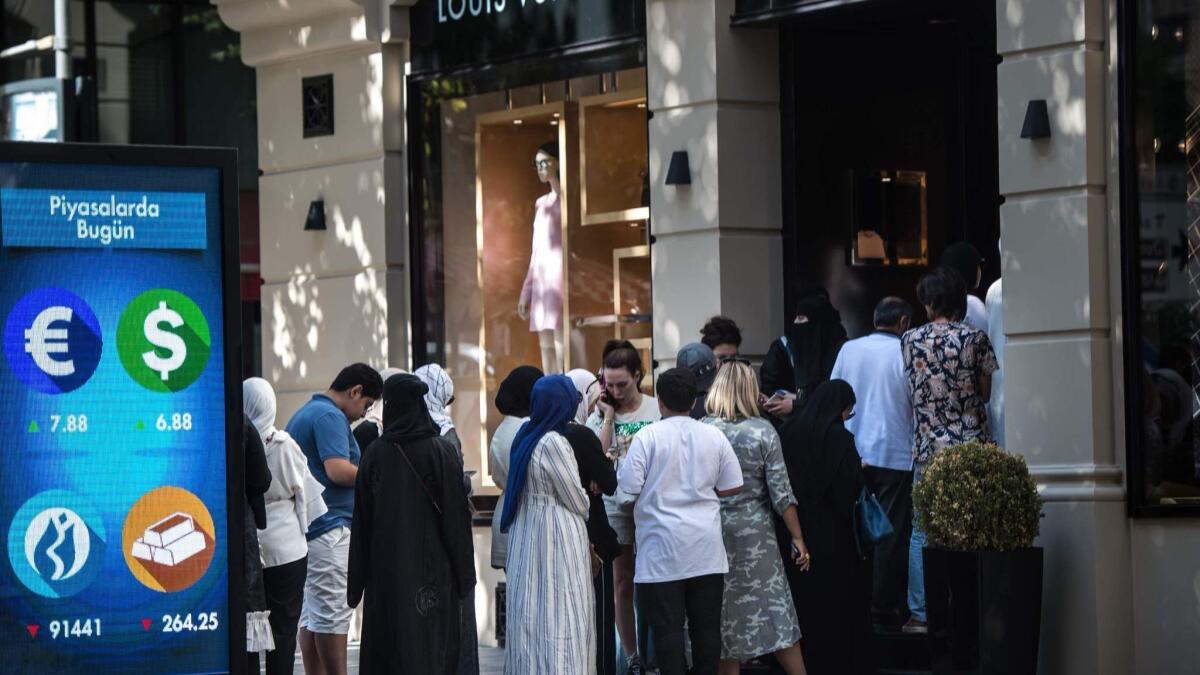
{"x": 174, "y": 422}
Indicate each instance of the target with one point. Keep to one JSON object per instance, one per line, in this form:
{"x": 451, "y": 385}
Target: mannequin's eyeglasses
{"x": 542, "y": 163}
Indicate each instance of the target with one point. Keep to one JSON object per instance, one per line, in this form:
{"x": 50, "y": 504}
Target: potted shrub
{"x": 980, "y": 511}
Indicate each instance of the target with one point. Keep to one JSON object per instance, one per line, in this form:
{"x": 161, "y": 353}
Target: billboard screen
{"x": 119, "y": 406}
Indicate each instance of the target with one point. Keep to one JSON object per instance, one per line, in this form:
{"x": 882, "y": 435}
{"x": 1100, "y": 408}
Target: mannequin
{"x": 541, "y": 299}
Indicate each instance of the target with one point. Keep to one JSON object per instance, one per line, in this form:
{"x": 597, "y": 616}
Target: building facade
{"x": 504, "y": 182}
{"x": 143, "y": 72}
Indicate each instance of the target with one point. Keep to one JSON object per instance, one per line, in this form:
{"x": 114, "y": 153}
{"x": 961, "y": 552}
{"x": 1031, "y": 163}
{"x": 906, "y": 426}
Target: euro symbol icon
{"x": 41, "y": 341}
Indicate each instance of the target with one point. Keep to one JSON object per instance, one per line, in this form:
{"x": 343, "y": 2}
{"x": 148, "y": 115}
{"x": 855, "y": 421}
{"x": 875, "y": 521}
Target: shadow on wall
{"x": 322, "y": 318}
{"x": 1044, "y": 289}
{"x": 677, "y": 274}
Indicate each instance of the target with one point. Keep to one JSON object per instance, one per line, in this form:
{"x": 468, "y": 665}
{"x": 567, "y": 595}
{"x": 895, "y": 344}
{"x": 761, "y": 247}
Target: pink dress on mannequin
{"x": 543, "y": 288}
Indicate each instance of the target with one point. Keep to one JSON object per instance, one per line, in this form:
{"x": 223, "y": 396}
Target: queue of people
{"x": 688, "y": 532}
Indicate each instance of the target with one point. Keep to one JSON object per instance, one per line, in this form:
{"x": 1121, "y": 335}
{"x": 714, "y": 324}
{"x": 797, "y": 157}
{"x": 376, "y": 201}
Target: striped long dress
{"x": 551, "y": 608}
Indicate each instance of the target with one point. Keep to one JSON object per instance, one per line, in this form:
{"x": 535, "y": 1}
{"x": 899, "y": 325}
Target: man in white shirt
{"x": 995, "y": 308}
{"x": 874, "y": 367}
{"x": 965, "y": 259}
{"x": 678, "y": 469}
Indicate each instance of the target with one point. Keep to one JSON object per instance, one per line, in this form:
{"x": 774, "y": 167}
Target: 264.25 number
{"x": 183, "y": 623}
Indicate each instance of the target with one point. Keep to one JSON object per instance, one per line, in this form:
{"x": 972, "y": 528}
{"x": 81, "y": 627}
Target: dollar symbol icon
{"x": 163, "y": 340}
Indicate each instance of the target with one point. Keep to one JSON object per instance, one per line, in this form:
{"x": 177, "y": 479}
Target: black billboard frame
{"x": 225, "y": 160}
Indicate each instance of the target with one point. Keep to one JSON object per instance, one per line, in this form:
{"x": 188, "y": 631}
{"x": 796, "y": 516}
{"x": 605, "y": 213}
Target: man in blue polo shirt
{"x": 322, "y": 429}
{"x": 882, "y": 428}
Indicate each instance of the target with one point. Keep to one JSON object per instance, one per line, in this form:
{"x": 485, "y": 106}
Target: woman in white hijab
{"x": 588, "y": 386}
{"x": 439, "y": 398}
{"x": 292, "y": 502}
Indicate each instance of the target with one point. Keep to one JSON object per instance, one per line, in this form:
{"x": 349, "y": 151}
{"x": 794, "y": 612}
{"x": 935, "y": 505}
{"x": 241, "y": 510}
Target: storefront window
{"x": 1162, "y": 194}
{"x": 533, "y": 234}
{"x": 888, "y": 218}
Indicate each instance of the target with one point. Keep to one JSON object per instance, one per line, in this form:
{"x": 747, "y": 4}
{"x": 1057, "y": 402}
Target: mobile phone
{"x": 778, "y": 396}
{"x": 604, "y": 395}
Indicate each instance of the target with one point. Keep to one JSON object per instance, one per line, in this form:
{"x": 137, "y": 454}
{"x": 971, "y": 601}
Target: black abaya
{"x": 833, "y": 599}
{"x": 413, "y": 564}
{"x": 595, "y": 467}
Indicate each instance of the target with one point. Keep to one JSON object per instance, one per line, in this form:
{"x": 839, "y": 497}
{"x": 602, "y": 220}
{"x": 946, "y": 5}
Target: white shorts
{"x": 325, "y": 609}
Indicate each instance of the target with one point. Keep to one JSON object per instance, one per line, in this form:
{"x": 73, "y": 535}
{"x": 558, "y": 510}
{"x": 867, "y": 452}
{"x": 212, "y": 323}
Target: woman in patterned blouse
{"x": 949, "y": 368}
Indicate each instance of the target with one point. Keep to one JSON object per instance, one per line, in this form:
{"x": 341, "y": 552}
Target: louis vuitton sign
{"x": 450, "y": 34}
{"x": 457, "y": 10}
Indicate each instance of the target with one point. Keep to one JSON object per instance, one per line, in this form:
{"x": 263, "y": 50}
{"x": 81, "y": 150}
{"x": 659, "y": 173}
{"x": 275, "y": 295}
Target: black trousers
{"x": 667, "y": 605}
{"x": 606, "y": 644}
{"x": 285, "y": 595}
{"x": 889, "y": 596}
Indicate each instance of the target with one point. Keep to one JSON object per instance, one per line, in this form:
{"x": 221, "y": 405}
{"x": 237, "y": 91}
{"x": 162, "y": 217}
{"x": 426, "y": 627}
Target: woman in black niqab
{"x": 803, "y": 358}
{"x": 410, "y": 541}
{"x": 833, "y": 599}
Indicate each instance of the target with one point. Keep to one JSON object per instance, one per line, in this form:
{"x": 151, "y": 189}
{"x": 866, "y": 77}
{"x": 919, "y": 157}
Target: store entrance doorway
{"x": 890, "y": 148}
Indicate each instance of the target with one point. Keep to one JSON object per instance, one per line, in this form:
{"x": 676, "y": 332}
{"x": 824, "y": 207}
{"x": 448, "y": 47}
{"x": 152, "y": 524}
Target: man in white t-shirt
{"x": 965, "y": 259}
{"x": 678, "y": 469}
{"x": 873, "y": 365}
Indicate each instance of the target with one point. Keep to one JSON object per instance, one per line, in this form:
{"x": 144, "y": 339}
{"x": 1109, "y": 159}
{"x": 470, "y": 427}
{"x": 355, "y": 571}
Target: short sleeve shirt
{"x": 628, "y": 424}
{"x": 675, "y": 468}
{"x": 323, "y": 432}
{"x": 943, "y": 362}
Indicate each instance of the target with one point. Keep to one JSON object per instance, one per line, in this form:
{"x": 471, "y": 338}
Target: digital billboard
{"x": 120, "y": 497}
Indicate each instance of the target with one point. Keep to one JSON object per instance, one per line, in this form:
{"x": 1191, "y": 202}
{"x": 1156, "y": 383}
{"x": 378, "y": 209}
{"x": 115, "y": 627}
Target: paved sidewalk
{"x": 491, "y": 661}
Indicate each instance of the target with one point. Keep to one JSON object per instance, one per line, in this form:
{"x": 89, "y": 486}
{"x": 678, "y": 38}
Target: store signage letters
{"x": 455, "y": 10}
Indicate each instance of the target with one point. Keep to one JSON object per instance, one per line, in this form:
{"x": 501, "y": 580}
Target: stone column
{"x": 714, "y": 92}
{"x": 1059, "y": 391}
{"x": 340, "y": 295}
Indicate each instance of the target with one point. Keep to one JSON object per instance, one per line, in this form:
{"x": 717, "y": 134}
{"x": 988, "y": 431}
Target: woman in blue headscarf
{"x": 551, "y": 626}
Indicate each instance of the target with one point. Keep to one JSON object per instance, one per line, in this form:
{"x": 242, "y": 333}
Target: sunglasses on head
{"x": 736, "y": 359}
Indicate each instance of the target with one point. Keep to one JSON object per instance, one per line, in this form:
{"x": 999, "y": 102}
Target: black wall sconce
{"x": 1037, "y": 120}
{"x": 316, "y": 215}
{"x": 679, "y": 173}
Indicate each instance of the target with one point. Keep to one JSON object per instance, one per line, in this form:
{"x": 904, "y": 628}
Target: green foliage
{"x": 977, "y": 497}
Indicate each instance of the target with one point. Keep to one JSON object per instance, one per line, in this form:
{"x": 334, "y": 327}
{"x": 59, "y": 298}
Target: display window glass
{"x": 532, "y": 235}
{"x": 1161, "y": 202}
{"x": 889, "y": 225}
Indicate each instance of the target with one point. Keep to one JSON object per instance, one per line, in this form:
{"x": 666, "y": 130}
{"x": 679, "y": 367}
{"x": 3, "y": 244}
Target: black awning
{"x": 757, "y": 13}
{"x": 450, "y": 35}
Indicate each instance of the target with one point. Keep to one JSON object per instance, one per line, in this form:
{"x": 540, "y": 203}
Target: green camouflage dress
{"x": 757, "y": 615}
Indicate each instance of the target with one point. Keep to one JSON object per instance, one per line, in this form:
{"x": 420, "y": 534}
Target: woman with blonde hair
{"x": 757, "y": 613}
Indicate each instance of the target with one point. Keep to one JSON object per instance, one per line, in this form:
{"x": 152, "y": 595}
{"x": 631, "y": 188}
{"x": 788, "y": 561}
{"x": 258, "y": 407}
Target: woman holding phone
{"x": 620, "y": 413}
{"x": 757, "y": 613}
